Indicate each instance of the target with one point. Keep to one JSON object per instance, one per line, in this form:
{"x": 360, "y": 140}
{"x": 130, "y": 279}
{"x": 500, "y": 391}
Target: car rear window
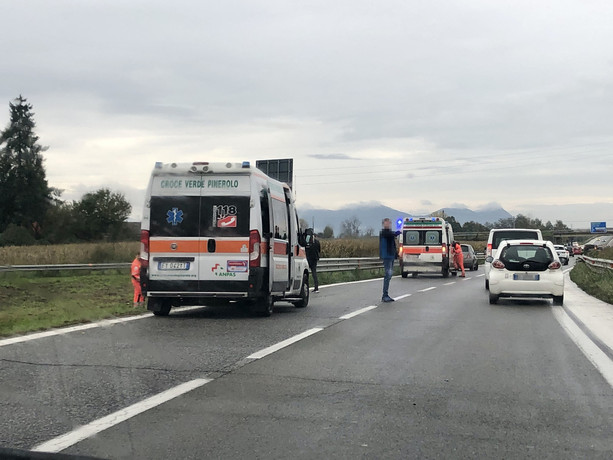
{"x": 526, "y": 258}
{"x": 501, "y": 235}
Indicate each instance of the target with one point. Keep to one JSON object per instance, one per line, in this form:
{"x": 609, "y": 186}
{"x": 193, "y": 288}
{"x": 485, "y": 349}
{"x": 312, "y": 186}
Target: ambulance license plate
{"x": 173, "y": 265}
{"x": 526, "y": 276}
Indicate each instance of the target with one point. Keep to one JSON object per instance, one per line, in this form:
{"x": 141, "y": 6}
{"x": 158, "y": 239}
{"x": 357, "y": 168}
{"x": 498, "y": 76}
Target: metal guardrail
{"x": 324, "y": 265}
{"x": 597, "y": 263}
{"x": 350, "y": 263}
{"x": 42, "y": 268}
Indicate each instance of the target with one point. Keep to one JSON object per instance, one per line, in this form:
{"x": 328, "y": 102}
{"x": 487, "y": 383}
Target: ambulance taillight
{"x": 255, "y": 255}
{"x": 144, "y": 247}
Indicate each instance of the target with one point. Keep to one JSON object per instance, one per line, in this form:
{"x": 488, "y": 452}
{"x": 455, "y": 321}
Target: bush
{"x": 16, "y": 236}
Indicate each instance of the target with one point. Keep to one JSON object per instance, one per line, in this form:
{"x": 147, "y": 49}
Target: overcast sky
{"x": 415, "y": 104}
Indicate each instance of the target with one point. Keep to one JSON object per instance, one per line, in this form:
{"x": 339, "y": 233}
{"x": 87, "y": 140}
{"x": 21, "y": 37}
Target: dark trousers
{"x": 313, "y": 267}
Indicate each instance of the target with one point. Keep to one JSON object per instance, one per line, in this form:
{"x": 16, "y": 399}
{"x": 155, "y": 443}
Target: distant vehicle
{"x": 424, "y": 247}
{"x": 526, "y": 268}
{"x": 569, "y": 248}
{"x": 563, "y": 253}
{"x": 577, "y": 250}
{"x": 497, "y": 235}
{"x": 598, "y": 242}
{"x": 470, "y": 257}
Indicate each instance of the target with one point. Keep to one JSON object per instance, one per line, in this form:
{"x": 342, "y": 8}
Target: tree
{"x": 102, "y": 214}
{"x": 24, "y": 193}
{"x": 369, "y": 232}
{"x": 350, "y": 228}
{"x": 328, "y": 232}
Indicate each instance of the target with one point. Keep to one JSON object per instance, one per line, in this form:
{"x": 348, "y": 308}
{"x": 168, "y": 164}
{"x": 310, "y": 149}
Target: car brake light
{"x": 489, "y": 250}
{"x": 444, "y": 249}
{"x": 400, "y": 250}
{"x": 498, "y": 264}
{"x": 144, "y": 247}
{"x": 255, "y": 242}
{"x": 554, "y": 265}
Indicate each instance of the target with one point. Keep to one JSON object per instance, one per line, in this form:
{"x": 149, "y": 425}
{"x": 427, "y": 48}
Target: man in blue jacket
{"x": 387, "y": 252}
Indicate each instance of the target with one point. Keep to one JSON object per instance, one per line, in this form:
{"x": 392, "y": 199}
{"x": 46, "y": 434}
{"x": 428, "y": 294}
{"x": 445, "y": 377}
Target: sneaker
{"x": 387, "y": 299}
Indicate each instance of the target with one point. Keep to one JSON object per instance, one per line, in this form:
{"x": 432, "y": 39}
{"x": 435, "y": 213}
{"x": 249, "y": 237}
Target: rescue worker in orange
{"x": 458, "y": 257}
{"x": 135, "y": 271}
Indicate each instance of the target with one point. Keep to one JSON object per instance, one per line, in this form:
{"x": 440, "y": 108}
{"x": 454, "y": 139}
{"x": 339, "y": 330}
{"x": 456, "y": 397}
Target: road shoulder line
{"x": 357, "y": 312}
{"x": 71, "y": 438}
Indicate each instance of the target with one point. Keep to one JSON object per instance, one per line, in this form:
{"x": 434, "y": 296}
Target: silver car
{"x": 470, "y": 257}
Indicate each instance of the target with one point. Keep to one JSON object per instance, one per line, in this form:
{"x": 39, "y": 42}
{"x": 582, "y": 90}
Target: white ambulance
{"x": 213, "y": 233}
{"x": 424, "y": 247}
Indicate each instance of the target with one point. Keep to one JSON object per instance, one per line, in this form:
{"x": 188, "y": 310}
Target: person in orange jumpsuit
{"x": 135, "y": 271}
{"x": 458, "y": 257}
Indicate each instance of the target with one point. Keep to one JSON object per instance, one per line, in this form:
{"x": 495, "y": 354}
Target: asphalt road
{"x": 437, "y": 374}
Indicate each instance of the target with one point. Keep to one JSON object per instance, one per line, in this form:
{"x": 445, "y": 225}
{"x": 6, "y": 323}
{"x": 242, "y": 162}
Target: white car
{"x": 563, "y": 253}
{"x": 526, "y": 268}
{"x": 497, "y": 235}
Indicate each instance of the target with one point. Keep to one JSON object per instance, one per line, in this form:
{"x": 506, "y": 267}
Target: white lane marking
{"x": 357, "y": 312}
{"x": 83, "y": 327}
{"x": 596, "y": 356}
{"x": 466, "y": 279}
{"x": 276, "y": 347}
{"x": 427, "y": 289}
{"x": 404, "y": 296}
{"x": 449, "y": 284}
{"x": 71, "y": 438}
{"x": 353, "y": 282}
{"x": 479, "y": 276}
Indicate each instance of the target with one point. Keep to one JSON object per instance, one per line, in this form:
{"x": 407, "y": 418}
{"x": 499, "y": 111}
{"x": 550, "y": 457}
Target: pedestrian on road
{"x": 458, "y": 257}
{"x": 313, "y": 250}
{"x": 135, "y": 271}
{"x": 387, "y": 252}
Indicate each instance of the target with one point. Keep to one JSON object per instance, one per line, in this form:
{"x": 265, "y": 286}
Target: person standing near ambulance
{"x": 135, "y": 273}
{"x": 458, "y": 257}
{"x": 313, "y": 250}
{"x": 388, "y": 253}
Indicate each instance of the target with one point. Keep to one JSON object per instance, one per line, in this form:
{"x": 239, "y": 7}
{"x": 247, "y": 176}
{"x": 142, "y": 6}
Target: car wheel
{"x": 494, "y": 298}
{"x": 566, "y": 262}
{"x": 405, "y": 274}
{"x": 413, "y": 275}
{"x": 304, "y": 293}
{"x": 476, "y": 266}
{"x": 446, "y": 273}
{"x": 487, "y": 284}
{"x": 558, "y": 300}
{"x": 159, "y": 307}
{"x": 263, "y": 306}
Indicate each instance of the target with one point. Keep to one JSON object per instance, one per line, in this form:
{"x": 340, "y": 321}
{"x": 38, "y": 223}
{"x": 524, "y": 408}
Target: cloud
{"x": 332, "y": 156}
{"x": 426, "y": 203}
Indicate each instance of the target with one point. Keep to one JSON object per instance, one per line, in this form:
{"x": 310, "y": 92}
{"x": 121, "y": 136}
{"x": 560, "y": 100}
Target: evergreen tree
{"x": 24, "y": 193}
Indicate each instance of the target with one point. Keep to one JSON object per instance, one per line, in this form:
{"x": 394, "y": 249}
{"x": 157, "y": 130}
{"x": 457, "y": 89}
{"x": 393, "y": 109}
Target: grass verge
{"x": 30, "y": 302}
{"x": 597, "y": 283}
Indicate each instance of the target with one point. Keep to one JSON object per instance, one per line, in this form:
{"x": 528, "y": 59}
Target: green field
{"x": 32, "y": 302}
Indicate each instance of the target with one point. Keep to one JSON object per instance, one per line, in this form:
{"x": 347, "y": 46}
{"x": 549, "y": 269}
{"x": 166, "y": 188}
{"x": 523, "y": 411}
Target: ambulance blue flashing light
{"x": 246, "y": 164}
{"x": 399, "y": 223}
{"x": 158, "y": 165}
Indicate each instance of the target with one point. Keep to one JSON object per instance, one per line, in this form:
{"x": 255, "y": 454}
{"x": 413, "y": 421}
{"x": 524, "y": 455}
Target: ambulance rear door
{"x": 225, "y": 209}
{"x": 174, "y": 235}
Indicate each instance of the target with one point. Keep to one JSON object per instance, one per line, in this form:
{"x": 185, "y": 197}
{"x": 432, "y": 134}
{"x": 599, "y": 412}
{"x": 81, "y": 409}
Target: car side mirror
{"x": 489, "y": 259}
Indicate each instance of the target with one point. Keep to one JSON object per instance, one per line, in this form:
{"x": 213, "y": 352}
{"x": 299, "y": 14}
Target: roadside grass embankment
{"x": 597, "y": 282}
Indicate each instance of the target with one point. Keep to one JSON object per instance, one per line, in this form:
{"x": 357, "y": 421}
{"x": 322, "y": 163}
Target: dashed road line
{"x": 66, "y": 440}
{"x": 479, "y": 276}
{"x": 285, "y": 343}
{"x": 358, "y": 312}
{"x": 449, "y": 283}
{"x": 404, "y": 296}
{"x": 427, "y": 289}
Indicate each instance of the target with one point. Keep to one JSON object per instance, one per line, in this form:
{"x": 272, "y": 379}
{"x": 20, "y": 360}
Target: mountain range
{"x": 371, "y": 214}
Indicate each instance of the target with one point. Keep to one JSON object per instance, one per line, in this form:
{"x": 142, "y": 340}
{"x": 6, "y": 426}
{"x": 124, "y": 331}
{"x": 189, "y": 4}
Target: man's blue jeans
{"x": 388, "y": 266}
